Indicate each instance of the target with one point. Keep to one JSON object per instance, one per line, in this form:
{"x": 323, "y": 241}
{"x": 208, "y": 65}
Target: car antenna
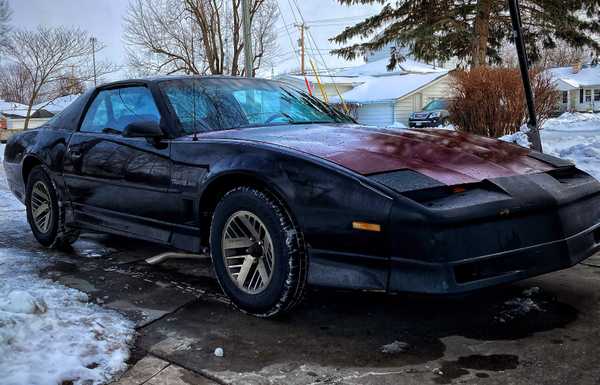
{"x": 195, "y": 137}
{"x": 532, "y": 124}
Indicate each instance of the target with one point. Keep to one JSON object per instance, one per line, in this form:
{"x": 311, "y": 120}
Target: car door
{"x": 116, "y": 183}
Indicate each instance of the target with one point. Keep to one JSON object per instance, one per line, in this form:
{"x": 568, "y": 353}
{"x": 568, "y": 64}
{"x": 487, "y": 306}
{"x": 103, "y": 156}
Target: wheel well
{"x": 28, "y": 164}
{"x": 219, "y": 187}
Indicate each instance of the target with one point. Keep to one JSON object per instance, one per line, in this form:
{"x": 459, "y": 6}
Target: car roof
{"x": 160, "y": 78}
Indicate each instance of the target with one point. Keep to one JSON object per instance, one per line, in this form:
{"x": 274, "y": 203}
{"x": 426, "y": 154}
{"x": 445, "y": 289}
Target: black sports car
{"x": 284, "y": 191}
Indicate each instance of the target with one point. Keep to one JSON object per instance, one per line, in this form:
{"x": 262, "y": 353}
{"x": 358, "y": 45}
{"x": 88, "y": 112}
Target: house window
{"x": 588, "y": 95}
{"x": 597, "y": 95}
{"x": 565, "y": 97}
{"x": 581, "y": 95}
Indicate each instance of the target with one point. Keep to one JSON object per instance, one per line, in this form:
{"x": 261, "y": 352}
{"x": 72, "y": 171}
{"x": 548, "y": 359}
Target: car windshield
{"x": 219, "y": 104}
{"x": 436, "y": 105}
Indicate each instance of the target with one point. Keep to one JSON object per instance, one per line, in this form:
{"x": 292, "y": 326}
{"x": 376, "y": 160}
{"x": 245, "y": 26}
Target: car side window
{"x": 112, "y": 110}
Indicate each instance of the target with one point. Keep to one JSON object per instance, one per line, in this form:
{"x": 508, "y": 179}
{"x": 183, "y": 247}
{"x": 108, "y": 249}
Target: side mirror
{"x": 143, "y": 129}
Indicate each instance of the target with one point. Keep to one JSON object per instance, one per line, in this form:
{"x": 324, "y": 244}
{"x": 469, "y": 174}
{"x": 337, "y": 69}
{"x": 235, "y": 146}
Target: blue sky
{"x": 103, "y": 18}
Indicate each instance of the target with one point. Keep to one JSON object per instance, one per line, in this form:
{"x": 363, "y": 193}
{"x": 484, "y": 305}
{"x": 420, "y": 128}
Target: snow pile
{"x": 395, "y": 347}
{"x": 397, "y": 125}
{"x": 574, "y": 121}
{"x": 520, "y": 306}
{"x": 519, "y": 137}
{"x": 50, "y": 334}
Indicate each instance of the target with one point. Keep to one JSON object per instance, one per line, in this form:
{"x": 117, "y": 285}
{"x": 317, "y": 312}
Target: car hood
{"x": 449, "y": 157}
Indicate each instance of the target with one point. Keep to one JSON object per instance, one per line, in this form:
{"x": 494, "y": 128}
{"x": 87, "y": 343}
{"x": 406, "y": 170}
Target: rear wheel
{"x": 257, "y": 252}
{"x": 45, "y": 213}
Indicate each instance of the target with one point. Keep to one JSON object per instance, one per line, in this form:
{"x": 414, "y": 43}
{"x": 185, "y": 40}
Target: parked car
{"x": 283, "y": 191}
{"x": 434, "y": 114}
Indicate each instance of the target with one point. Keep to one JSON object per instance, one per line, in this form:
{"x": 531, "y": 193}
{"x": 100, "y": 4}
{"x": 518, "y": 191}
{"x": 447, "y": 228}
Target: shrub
{"x": 491, "y": 101}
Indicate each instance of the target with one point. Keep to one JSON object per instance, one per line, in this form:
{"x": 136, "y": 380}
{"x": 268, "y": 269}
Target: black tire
{"x": 285, "y": 288}
{"x": 57, "y": 235}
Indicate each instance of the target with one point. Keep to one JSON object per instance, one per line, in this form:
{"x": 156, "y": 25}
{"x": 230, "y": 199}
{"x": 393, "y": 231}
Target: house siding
{"x": 376, "y": 114}
{"x": 415, "y": 102}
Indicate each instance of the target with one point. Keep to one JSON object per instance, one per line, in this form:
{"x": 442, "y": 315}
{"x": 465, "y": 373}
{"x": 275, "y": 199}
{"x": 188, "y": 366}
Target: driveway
{"x": 540, "y": 331}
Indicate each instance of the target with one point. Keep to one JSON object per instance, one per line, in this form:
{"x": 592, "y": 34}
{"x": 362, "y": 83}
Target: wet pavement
{"x": 541, "y": 331}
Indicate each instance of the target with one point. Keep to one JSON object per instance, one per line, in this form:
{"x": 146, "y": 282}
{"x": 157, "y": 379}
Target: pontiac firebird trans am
{"x": 284, "y": 191}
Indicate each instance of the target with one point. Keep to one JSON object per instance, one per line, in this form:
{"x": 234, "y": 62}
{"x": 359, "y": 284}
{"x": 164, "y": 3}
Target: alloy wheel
{"x": 41, "y": 207}
{"x": 248, "y": 252}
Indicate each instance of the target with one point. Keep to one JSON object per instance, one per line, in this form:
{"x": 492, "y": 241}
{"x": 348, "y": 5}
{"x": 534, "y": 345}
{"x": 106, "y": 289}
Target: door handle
{"x": 75, "y": 154}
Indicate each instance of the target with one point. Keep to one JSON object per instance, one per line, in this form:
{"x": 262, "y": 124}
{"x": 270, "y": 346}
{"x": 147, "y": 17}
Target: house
{"x": 579, "y": 86}
{"x": 376, "y": 96}
{"x": 13, "y": 115}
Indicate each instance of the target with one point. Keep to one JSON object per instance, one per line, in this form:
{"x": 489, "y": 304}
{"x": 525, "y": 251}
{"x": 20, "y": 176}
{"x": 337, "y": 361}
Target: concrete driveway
{"x": 541, "y": 331}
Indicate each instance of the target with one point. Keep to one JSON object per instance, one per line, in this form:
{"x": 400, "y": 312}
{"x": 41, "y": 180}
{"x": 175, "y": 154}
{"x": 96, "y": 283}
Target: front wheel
{"x": 45, "y": 213}
{"x": 257, "y": 253}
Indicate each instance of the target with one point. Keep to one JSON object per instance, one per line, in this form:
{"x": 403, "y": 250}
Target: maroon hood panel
{"x": 449, "y": 157}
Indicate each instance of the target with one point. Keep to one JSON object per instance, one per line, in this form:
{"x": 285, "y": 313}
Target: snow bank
{"x": 519, "y": 137}
{"x": 575, "y": 121}
{"x": 50, "y": 333}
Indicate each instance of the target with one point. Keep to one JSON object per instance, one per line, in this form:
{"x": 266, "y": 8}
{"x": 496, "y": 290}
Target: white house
{"x": 377, "y": 96}
{"x": 13, "y": 115}
{"x": 579, "y": 86}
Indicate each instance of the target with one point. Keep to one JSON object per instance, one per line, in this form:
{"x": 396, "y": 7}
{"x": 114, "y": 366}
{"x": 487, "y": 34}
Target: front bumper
{"x": 494, "y": 269}
{"x": 418, "y": 123}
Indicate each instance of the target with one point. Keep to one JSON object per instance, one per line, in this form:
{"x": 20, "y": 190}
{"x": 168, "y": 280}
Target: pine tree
{"x": 474, "y": 31}
{"x": 5, "y": 14}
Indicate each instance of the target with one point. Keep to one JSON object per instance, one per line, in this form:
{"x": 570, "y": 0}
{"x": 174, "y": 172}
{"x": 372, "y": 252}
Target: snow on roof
{"x": 12, "y": 108}
{"x": 57, "y": 105}
{"x": 387, "y": 88}
{"x": 379, "y": 68}
{"x": 588, "y": 76}
{"x": 325, "y": 78}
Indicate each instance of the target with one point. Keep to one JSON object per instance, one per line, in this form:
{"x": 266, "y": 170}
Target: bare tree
{"x": 196, "y": 36}
{"x": 15, "y": 83}
{"x": 49, "y": 55}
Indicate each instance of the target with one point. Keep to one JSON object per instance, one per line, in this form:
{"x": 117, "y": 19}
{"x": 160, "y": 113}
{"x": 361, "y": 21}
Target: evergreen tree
{"x": 5, "y": 14}
{"x": 473, "y": 31}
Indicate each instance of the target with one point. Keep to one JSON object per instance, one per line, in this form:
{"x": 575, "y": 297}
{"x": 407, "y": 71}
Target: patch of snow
{"x": 519, "y": 137}
{"x": 449, "y": 127}
{"x": 395, "y": 347}
{"x": 388, "y": 88}
{"x": 219, "y": 352}
{"x": 574, "y": 121}
{"x": 587, "y": 76}
{"x": 2, "y": 148}
{"x": 58, "y": 104}
{"x": 50, "y": 334}
{"x": 379, "y": 68}
{"x": 521, "y": 306}
{"x": 397, "y": 125}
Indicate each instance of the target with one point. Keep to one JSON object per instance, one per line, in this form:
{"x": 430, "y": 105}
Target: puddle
{"x": 452, "y": 370}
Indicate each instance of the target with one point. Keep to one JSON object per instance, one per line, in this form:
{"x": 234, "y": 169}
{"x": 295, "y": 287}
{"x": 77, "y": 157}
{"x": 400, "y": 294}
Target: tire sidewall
{"x": 38, "y": 174}
{"x": 273, "y": 218}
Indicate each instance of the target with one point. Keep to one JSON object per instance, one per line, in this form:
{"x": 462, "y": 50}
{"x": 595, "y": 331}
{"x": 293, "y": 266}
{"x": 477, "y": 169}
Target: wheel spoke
{"x": 245, "y": 269}
{"x": 264, "y": 276}
{"x": 236, "y": 243}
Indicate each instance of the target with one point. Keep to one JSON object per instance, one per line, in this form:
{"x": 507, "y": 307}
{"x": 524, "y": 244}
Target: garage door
{"x": 379, "y": 114}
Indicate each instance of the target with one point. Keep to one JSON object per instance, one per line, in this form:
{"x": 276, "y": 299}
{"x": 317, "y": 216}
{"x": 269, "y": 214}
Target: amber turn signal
{"x": 366, "y": 226}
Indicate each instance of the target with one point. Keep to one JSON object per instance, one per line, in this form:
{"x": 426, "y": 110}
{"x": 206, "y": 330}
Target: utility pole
{"x": 93, "y": 41}
{"x": 248, "y": 57}
{"x": 532, "y": 124}
{"x": 302, "y": 28}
